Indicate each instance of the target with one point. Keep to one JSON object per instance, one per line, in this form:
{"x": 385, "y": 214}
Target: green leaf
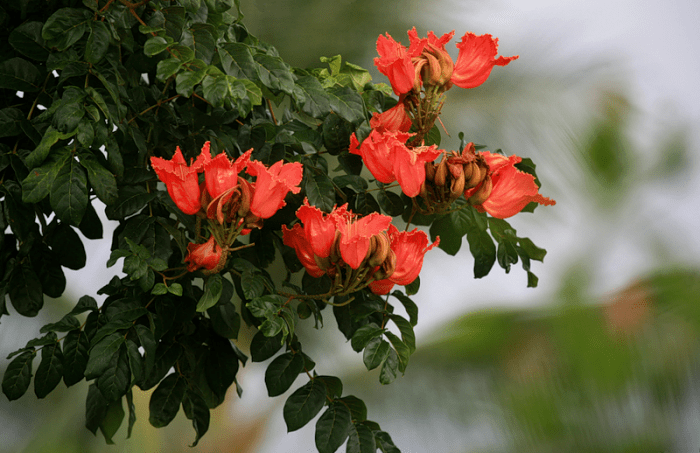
{"x": 167, "y": 68}
{"x": 358, "y": 409}
{"x": 412, "y": 288}
{"x": 275, "y": 73}
{"x": 334, "y": 386}
{"x": 66, "y": 324}
{"x": 101, "y": 180}
{"x": 26, "y": 39}
{"x": 112, "y": 420}
{"x": 115, "y": 381}
{"x": 51, "y": 136}
{"x": 533, "y": 252}
{"x": 65, "y": 27}
{"x": 361, "y": 439}
{"x": 95, "y": 408}
{"x": 17, "y": 376}
{"x": 282, "y": 372}
{"x": 131, "y": 200}
{"x": 196, "y": 409}
{"x": 332, "y": 428}
{"x": 312, "y": 97}
{"x": 20, "y": 75}
{"x": 85, "y": 303}
{"x": 225, "y": 320}
{"x": 132, "y": 412}
{"x": 155, "y": 45}
{"x": 86, "y": 133}
{"x": 406, "y": 329}
{"x": 364, "y": 335}
{"x": 148, "y": 343}
{"x": 101, "y": 354}
{"x": 215, "y": 89}
{"x": 347, "y": 104}
{"x": 221, "y": 366}
{"x": 10, "y": 122}
{"x": 165, "y": 400}
{"x": 319, "y": 189}
{"x": 262, "y": 347}
{"x": 185, "y": 81}
{"x": 97, "y": 43}
{"x": 75, "y": 356}
{"x": 25, "y": 290}
{"x": 50, "y": 370}
{"x": 385, "y": 443}
{"x": 365, "y": 204}
{"x": 402, "y": 350}
{"x": 389, "y": 369}
{"x": 39, "y": 181}
{"x": 484, "y": 251}
{"x": 433, "y": 137}
{"x": 212, "y": 293}
{"x": 253, "y": 285}
{"x": 304, "y": 404}
{"x": 450, "y": 237}
{"x": 67, "y": 247}
{"x": 237, "y": 61}
{"x": 390, "y": 203}
{"x": 375, "y": 353}
{"x": 69, "y": 196}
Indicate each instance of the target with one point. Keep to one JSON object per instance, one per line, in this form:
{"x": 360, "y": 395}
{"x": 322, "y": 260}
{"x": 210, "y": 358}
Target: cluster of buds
{"x": 356, "y": 252}
{"x": 231, "y": 204}
{"x": 457, "y": 174}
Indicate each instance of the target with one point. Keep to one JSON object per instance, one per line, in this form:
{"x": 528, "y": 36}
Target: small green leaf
{"x": 319, "y": 189}
{"x": 375, "y": 353}
{"x": 26, "y": 39}
{"x": 39, "y": 181}
{"x": 332, "y": 428}
{"x": 212, "y": 293}
{"x": 361, "y": 439}
{"x": 390, "y": 203}
{"x": 25, "y": 290}
{"x": 17, "y": 376}
{"x": 115, "y": 381}
{"x": 50, "y": 370}
{"x": 225, "y": 320}
{"x": 282, "y": 372}
{"x": 101, "y": 354}
{"x": 406, "y": 329}
{"x": 19, "y": 75}
{"x": 196, "y": 409}
{"x": 165, "y": 400}
{"x": 112, "y": 420}
{"x": 364, "y": 335}
{"x": 304, "y": 404}
{"x": 66, "y": 324}
{"x": 389, "y": 369}
{"x": 75, "y": 356}
{"x": 97, "y": 43}
{"x": 65, "y": 27}
{"x": 167, "y": 68}
{"x": 69, "y": 196}
{"x": 262, "y": 347}
{"x": 95, "y": 408}
{"x": 155, "y": 45}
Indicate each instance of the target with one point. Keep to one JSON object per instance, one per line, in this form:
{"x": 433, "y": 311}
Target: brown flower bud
{"x": 441, "y": 173}
{"x": 246, "y": 196}
{"x": 457, "y": 187}
{"x": 335, "y": 248}
{"x": 381, "y": 246}
{"x": 477, "y": 175}
{"x": 387, "y": 267}
{"x": 482, "y": 193}
{"x": 430, "y": 171}
{"x": 323, "y": 263}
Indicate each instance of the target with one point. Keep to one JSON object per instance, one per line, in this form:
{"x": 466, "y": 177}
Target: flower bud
{"x": 246, "y": 195}
{"x": 387, "y": 267}
{"x": 441, "y": 173}
{"x": 482, "y": 193}
{"x": 323, "y": 263}
{"x": 381, "y": 245}
{"x": 478, "y": 174}
{"x": 335, "y": 248}
{"x": 457, "y": 187}
{"x": 430, "y": 171}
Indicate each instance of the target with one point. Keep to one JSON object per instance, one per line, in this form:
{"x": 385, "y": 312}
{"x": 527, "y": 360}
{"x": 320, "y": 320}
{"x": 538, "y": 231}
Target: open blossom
{"x": 221, "y": 174}
{"x": 394, "y": 119}
{"x": 511, "y": 189}
{"x": 320, "y": 228}
{"x": 272, "y": 185}
{"x": 409, "y": 248}
{"x": 355, "y": 237}
{"x": 426, "y": 62}
{"x": 205, "y": 255}
{"x": 389, "y": 159}
{"x": 182, "y": 180}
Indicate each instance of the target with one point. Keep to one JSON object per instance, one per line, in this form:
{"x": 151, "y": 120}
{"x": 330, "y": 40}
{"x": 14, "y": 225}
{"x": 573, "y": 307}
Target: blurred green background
{"x": 603, "y": 355}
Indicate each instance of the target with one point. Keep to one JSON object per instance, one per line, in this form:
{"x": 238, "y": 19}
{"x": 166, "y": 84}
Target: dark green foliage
{"x": 105, "y": 88}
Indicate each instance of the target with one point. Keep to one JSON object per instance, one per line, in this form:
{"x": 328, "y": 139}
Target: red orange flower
{"x": 355, "y": 237}
{"x": 272, "y": 185}
{"x": 205, "y": 255}
{"x": 512, "y": 188}
{"x": 410, "y": 249}
{"x": 182, "y": 180}
{"x": 395, "y": 62}
{"x": 221, "y": 174}
{"x": 297, "y": 239}
{"x": 477, "y": 56}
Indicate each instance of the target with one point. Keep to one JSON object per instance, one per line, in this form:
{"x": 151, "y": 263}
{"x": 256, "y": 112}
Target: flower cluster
{"x": 395, "y": 149}
{"x": 231, "y": 204}
{"x": 356, "y": 252}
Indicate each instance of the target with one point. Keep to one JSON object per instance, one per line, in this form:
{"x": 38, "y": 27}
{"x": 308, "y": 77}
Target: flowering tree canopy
{"x": 217, "y": 159}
